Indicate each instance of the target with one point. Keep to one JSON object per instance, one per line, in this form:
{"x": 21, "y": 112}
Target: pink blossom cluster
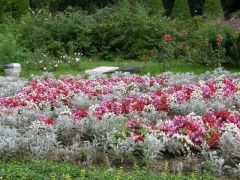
{"x": 133, "y": 104}
{"x": 137, "y": 129}
{"x": 207, "y": 127}
{"x": 185, "y": 125}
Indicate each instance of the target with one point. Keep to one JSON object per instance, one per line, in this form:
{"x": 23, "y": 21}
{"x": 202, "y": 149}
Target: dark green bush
{"x": 213, "y": 9}
{"x": 156, "y": 5}
{"x": 168, "y": 5}
{"x": 181, "y": 10}
{"x": 196, "y": 7}
{"x": 57, "y": 5}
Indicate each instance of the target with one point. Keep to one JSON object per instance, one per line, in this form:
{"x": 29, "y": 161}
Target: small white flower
{"x": 77, "y": 59}
{"x": 56, "y": 65}
{"x": 44, "y": 68}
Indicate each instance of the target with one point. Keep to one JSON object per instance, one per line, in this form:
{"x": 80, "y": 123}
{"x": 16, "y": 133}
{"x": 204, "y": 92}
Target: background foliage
{"x": 128, "y": 29}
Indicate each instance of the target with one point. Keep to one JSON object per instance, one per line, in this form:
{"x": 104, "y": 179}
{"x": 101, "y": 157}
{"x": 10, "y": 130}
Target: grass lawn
{"x": 65, "y": 171}
{"x": 150, "y": 67}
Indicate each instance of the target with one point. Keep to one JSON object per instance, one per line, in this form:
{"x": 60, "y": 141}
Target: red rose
{"x": 184, "y": 33}
{"x": 219, "y": 38}
{"x": 184, "y": 43}
{"x": 167, "y": 37}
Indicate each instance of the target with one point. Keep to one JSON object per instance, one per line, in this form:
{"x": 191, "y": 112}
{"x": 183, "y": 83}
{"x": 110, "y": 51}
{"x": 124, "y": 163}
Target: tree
{"x": 181, "y": 9}
{"x": 156, "y": 5}
{"x": 213, "y": 8}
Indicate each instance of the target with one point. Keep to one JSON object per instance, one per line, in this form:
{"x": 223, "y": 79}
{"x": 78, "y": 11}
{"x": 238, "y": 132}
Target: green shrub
{"x": 4, "y": 9}
{"x": 213, "y": 8}
{"x": 19, "y": 7}
{"x": 232, "y": 45}
{"x": 181, "y": 10}
{"x": 10, "y": 51}
{"x": 124, "y": 30}
{"x": 207, "y": 50}
{"x": 60, "y": 5}
{"x": 156, "y": 5}
{"x": 13, "y": 8}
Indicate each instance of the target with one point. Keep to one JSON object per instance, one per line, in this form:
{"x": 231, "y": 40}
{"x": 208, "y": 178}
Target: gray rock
{"x": 131, "y": 69}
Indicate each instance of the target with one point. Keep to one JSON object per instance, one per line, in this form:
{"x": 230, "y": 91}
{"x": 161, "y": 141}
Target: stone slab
{"x": 101, "y": 70}
{"x": 131, "y": 69}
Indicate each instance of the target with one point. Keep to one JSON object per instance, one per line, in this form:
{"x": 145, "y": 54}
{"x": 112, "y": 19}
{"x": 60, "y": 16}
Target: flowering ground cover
{"x": 125, "y": 118}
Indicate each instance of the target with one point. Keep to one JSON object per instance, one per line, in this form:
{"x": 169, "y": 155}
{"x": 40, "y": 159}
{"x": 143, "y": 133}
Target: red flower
{"x": 184, "y": 43}
{"x": 215, "y": 136}
{"x": 191, "y": 127}
{"x": 139, "y": 138}
{"x": 49, "y": 121}
{"x": 80, "y": 113}
{"x": 219, "y": 38}
{"x": 184, "y": 33}
{"x": 138, "y": 106}
{"x": 222, "y": 114}
{"x": 167, "y": 37}
{"x": 46, "y": 121}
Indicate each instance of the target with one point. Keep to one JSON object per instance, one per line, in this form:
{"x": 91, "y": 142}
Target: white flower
{"x": 56, "y": 65}
{"x": 77, "y": 59}
{"x": 44, "y": 68}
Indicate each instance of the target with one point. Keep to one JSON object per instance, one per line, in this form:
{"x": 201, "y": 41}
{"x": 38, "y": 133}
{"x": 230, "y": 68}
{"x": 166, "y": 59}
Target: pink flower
{"x": 184, "y": 44}
{"x": 167, "y": 38}
{"x": 45, "y": 120}
{"x": 184, "y": 32}
{"x": 219, "y": 38}
{"x": 79, "y": 113}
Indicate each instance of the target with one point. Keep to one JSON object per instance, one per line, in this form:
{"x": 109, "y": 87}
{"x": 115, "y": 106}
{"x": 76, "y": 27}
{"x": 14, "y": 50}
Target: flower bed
{"x": 122, "y": 115}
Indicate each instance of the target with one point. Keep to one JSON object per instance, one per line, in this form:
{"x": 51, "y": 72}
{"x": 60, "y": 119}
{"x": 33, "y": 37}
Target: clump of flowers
{"x": 137, "y": 129}
{"x": 191, "y": 126}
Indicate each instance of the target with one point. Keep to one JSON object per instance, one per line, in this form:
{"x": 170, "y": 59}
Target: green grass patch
{"x": 67, "y": 171}
{"x": 151, "y": 67}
